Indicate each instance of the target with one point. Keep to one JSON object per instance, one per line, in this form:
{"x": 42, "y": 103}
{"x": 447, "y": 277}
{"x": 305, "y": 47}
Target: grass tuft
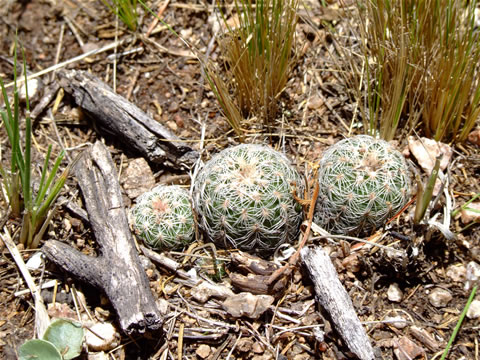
{"x": 126, "y": 10}
{"x": 417, "y": 66}
{"x": 259, "y": 51}
{"x": 17, "y": 181}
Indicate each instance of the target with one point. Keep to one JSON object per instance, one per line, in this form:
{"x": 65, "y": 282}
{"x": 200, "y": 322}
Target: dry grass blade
{"x": 417, "y": 65}
{"x": 259, "y": 53}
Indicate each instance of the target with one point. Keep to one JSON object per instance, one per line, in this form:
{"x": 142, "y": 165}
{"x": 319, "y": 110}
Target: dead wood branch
{"x": 335, "y": 300}
{"x": 115, "y": 115}
{"x": 118, "y": 271}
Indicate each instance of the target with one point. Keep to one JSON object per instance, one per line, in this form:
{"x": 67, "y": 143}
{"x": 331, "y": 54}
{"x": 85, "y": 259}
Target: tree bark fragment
{"x": 118, "y": 117}
{"x": 332, "y": 296}
{"x": 118, "y": 271}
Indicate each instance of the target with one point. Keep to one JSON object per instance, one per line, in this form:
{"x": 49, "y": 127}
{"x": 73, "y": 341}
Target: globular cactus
{"x": 244, "y": 198}
{"x": 362, "y": 183}
{"x": 163, "y": 218}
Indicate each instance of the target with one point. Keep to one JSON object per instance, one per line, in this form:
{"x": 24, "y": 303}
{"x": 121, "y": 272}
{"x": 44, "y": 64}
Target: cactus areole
{"x": 363, "y": 182}
{"x": 244, "y": 199}
{"x": 163, "y": 218}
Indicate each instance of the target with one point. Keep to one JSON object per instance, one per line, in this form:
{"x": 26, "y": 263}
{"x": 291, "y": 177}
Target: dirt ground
{"x": 409, "y": 305}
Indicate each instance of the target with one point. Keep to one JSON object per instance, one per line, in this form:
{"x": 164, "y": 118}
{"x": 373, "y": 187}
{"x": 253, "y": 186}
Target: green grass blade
{"x": 42, "y": 189}
{"x": 459, "y": 323}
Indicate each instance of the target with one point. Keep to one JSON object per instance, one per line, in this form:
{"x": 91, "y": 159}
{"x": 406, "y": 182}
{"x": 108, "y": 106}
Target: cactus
{"x": 363, "y": 182}
{"x": 163, "y": 218}
{"x": 244, "y": 198}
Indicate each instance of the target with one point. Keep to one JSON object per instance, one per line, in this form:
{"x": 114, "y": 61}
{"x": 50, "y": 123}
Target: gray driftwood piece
{"x": 117, "y": 116}
{"x": 332, "y": 296}
{"x": 118, "y": 271}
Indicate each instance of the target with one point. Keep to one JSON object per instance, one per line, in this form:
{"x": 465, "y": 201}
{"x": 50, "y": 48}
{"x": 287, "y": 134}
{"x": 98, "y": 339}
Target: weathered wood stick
{"x": 117, "y": 116}
{"x": 118, "y": 271}
{"x": 335, "y": 300}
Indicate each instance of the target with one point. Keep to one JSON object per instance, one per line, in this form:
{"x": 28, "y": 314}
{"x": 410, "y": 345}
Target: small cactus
{"x": 163, "y": 218}
{"x": 362, "y": 183}
{"x": 244, "y": 198}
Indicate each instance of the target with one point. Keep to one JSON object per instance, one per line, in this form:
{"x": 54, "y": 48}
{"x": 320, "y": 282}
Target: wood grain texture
{"x": 332, "y": 296}
{"x": 118, "y": 270}
{"x": 116, "y": 116}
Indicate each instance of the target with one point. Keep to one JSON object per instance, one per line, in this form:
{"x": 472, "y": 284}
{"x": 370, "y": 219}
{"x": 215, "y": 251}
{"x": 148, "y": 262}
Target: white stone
{"x": 34, "y": 88}
{"x": 439, "y": 297}
{"x": 108, "y": 338}
{"x": 473, "y": 274}
{"x": 394, "y": 293}
{"x": 474, "y": 310}
{"x": 397, "y": 321}
{"x": 457, "y": 273}
{"x": 98, "y": 356}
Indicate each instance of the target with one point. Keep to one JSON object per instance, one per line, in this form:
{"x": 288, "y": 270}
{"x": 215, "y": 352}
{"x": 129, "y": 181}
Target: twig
{"x": 156, "y": 19}
{"x": 42, "y": 320}
{"x": 68, "y": 62}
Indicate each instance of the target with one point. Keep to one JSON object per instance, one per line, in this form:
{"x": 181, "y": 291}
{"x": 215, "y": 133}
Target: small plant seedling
{"x": 62, "y": 340}
{"x": 126, "y": 10}
{"x": 17, "y": 180}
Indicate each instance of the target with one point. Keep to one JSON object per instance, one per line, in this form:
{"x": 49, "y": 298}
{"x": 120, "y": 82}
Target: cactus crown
{"x": 163, "y": 218}
{"x": 244, "y": 198}
{"x": 363, "y": 182}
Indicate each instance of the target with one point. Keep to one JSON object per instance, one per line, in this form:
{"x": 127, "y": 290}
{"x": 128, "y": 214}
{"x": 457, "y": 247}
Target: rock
{"x": 457, "y": 272}
{"x": 34, "y": 88}
{"x": 394, "y": 293}
{"x": 247, "y": 304}
{"x": 474, "y": 310}
{"x": 203, "y": 351}
{"x": 138, "y": 178}
{"x": 98, "y": 356}
{"x": 352, "y": 263}
{"x": 258, "y": 348}
{"x": 244, "y": 345}
{"x": 397, "y": 321}
{"x": 426, "y": 150}
{"x": 474, "y": 137}
{"x": 108, "y": 338}
{"x": 470, "y": 213}
{"x": 439, "y": 297}
{"x": 406, "y": 349}
{"x": 205, "y": 290}
{"x": 473, "y": 274}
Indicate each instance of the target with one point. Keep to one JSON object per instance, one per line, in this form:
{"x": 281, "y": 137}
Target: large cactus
{"x": 163, "y": 218}
{"x": 363, "y": 182}
{"x": 244, "y": 198}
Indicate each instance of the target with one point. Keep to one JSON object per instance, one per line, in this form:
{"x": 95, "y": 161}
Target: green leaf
{"x": 67, "y": 336}
{"x": 38, "y": 349}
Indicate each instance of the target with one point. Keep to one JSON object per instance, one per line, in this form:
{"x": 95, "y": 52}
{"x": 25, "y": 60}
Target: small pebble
{"x": 394, "y": 293}
{"x": 407, "y": 349}
{"x": 439, "y": 297}
{"x": 98, "y": 356}
{"x": 108, "y": 334}
{"x": 258, "y": 348}
{"x": 457, "y": 273}
{"x": 203, "y": 351}
{"x": 474, "y": 310}
{"x": 397, "y": 322}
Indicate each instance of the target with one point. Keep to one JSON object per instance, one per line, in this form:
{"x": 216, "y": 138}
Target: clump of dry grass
{"x": 416, "y": 65}
{"x": 259, "y": 52}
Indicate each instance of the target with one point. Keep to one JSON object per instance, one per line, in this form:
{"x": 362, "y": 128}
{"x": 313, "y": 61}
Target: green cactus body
{"x": 362, "y": 183}
{"x": 244, "y": 198}
{"x": 163, "y": 218}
